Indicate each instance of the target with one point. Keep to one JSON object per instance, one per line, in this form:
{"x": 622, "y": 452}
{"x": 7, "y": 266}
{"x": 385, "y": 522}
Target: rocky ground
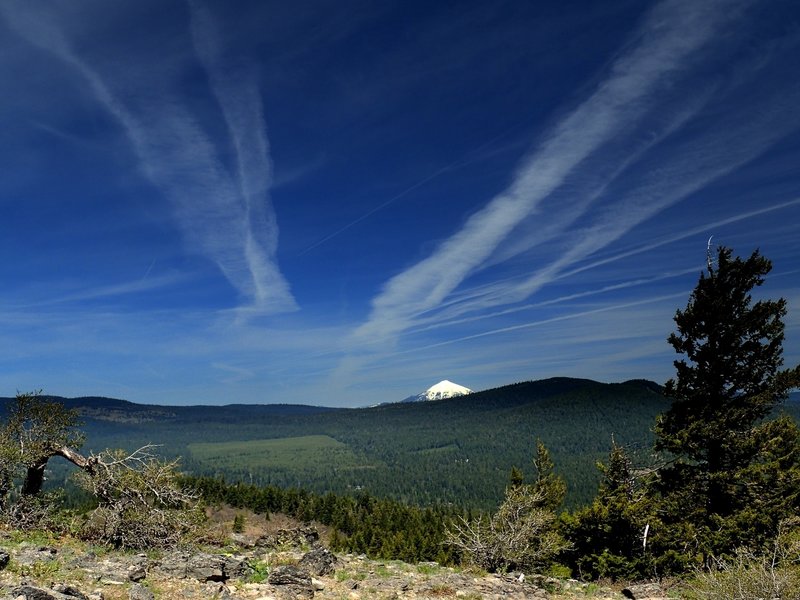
{"x": 279, "y": 560}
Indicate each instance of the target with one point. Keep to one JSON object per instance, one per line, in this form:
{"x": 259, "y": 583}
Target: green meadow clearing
{"x": 314, "y": 453}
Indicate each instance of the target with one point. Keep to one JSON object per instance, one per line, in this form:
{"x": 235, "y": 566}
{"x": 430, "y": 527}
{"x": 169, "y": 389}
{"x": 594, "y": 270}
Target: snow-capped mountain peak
{"x": 444, "y": 389}
{"x": 440, "y": 391}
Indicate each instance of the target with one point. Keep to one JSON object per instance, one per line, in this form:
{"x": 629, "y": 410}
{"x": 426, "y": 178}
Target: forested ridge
{"x": 457, "y": 451}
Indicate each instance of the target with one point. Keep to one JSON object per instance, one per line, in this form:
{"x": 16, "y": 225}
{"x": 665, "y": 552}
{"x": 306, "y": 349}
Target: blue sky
{"x": 343, "y": 202}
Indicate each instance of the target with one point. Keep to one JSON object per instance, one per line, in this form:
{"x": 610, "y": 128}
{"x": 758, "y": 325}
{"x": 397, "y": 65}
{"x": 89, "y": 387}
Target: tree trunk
{"x": 34, "y": 478}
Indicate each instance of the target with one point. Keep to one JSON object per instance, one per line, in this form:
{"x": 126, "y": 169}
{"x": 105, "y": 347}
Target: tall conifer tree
{"x": 726, "y": 386}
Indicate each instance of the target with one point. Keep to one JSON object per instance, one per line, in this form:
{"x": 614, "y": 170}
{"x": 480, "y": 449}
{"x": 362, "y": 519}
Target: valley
{"x": 455, "y": 451}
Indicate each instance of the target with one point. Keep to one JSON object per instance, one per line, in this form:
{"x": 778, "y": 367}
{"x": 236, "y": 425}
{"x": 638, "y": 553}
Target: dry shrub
{"x": 519, "y": 536}
{"x": 141, "y": 503}
{"x": 774, "y": 575}
{"x": 27, "y": 513}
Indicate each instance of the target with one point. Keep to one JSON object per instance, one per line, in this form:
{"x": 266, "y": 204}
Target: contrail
{"x": 217, "y": 211}
{"x": 454, "y": 166}
{"x": 673, "y": 31}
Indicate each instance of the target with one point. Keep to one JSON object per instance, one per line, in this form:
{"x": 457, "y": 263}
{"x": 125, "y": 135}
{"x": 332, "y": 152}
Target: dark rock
{"x": 4, "y": 558}
{"x": 30, "y": 592}
{"x": 28, "y": 556}
{"x": 319, "y": 562}
{"x": 292, "y": 582}
{"x": 139, "y": 592}
{"x": 299, "y": 536}
{"x": 136, "y": 573}
{"x": 642, "y": 591}
{"x": 174, "y": 564}
{"x": 69, "y": 590}
{"x": 289, "y": 575}
{"x": 204, "y": 567}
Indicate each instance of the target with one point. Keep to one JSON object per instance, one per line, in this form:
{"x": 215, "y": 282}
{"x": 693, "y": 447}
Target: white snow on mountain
{"x": 443, "y": 389}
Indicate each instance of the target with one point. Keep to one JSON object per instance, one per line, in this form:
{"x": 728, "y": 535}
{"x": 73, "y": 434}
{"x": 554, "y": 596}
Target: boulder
{"x": 298, "y": 536}
{"x": 136, "y": 573}
{"x": 70, "y": 590}
{"x": 291, "y": 582}
{"x": 30, "y": 592}
{"x": 289, "y": 575}
{"x": 644, "y": 591}
{"x": 204, "y": 567}
{"x": 319, "y": 562}
{"x": 139, "y": 592}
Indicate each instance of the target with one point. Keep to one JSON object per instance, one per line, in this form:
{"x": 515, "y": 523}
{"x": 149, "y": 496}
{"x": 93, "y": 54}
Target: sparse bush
{"x": 27, "y": 513}
{"x": 141, "y": 503}
{"x": 774, "y": 575}
{"x": 521, "y": 535}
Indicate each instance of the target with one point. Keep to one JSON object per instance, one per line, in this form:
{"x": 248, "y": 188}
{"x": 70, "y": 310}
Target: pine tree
{"x": 552, "y": 487}
{"x": 727, "y": 385}
{"x": 606, "y": 537}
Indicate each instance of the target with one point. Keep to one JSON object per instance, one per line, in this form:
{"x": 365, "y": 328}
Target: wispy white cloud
{"x": 539, "y": 322}
{"x": 145, "y": 284}
{"x": 606, "y": 340}
{"x": 672, "y": 32}
{"x": 224, "y": 215}
{"x": 237, "y": 93}
{"x": 166, "y": 356}
{"x": 427, "y": 294}
{"x": 443, "y": 319}
{"x": 709, "y": 227}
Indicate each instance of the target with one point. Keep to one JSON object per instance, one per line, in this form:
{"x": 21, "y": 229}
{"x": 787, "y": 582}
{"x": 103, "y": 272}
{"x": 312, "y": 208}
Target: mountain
{"x": 440, "y": 391}
{"x": 456, "y": 450}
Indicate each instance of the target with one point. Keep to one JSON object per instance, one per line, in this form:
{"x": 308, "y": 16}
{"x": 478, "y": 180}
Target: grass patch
{"x": 428, "y": 568}
{"x": 383, "y": 572}
{"x": 318, "y": 452}
{"x": 260, "y": 572}
{"x": 345, "y": 575}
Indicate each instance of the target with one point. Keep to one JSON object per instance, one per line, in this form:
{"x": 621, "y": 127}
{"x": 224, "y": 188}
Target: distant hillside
{"x": 458, "y": 450}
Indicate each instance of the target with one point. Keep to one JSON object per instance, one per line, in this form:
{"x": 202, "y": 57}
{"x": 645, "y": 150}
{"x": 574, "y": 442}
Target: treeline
{"x": 361, "y": 524}
{"x": 457, "y": 451}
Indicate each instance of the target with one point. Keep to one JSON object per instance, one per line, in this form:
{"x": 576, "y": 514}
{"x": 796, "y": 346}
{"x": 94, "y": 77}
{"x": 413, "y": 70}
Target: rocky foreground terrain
{"x": 288, "y": 562}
